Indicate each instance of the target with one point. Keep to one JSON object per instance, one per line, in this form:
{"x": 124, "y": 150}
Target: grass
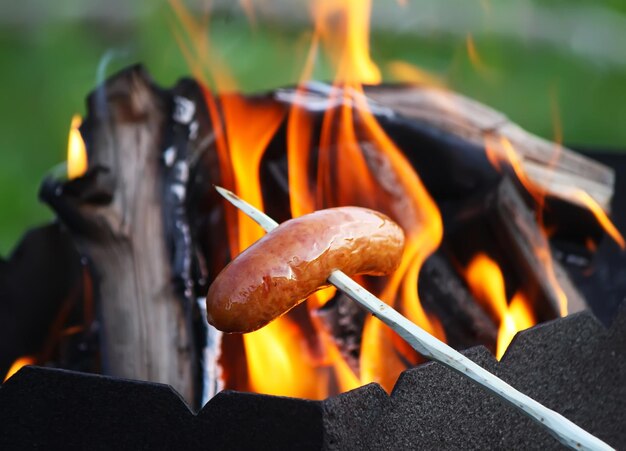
{"x": 48, "y": 69}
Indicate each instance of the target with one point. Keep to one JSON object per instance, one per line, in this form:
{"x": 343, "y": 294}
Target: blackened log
{"x": 551, "y": 166}
{"x": 443, "y": 293}
{"x": 116, "y": 215}
{"x": 501, "y": 223}
{"x": 445, "y": 133}
{"x": 516, "y": 226}
{"x": 41, "y": 275}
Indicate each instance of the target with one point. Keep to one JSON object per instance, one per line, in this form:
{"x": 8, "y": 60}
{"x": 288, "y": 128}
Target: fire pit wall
{"x": 573, "y": 365}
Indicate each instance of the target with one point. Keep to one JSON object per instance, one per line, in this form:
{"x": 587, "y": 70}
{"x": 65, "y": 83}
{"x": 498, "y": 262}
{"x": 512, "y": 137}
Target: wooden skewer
{"x": 560, "y": 427}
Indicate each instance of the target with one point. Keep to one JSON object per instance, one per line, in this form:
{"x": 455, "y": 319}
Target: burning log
{"x": 127, "y": 215}
{"x": 443, "y": 132}
{"x": 517, "y": 230}
{"x": 551, "y": 166}
{"x": 504, "y": 215}
{"x": 443, "y": 293}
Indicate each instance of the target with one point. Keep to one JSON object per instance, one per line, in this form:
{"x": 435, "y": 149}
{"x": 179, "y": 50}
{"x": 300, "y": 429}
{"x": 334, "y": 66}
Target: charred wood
{"x": 445, "y": 133}
{"x": 41, "y": 279}
{"x": 116, "y": 216}
{"x": 443, "y": 293}
{"x": 551, "y": 166}
{"x": 517, "y": 229}
{"x": 501, "y": 223}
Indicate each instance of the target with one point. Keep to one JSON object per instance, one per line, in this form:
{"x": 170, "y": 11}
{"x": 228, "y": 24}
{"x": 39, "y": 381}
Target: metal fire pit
{"x": 573, "y": 365}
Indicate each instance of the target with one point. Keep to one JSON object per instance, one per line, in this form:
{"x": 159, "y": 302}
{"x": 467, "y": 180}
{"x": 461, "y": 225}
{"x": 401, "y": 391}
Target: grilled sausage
{"x": 294, "y": 260}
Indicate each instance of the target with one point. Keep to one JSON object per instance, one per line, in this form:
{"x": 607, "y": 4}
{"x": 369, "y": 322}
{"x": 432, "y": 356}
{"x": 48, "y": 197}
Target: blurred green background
{"x": 538, "y": 61}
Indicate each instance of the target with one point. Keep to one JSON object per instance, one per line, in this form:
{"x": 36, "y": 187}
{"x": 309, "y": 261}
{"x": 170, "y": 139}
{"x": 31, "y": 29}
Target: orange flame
{"x": 600, "y": 216}
{"x": 407, "y": 73}
{"x": 76, "y": 151}
{"x": 500, "y": 151}
{"x": 519, "y": 316}
{"x": 487, "y": 285}
{"x": 356, "y": 159}
{"x": 18, "y": 364}
{"x": 353, "y": 162}
{"x": 472, "y": 53}
{"x": 475, "y": 59}
{"x": 279, "y": 364}
{"x": 343, "y": 26}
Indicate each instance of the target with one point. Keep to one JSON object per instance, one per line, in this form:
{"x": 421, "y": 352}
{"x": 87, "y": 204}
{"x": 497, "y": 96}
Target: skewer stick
{"x": 560, "y": 427}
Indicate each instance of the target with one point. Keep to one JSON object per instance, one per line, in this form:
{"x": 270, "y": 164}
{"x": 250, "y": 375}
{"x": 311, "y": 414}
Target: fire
{"x": 476, "y": 59}
{"x": 277, "y": 349}
{"x": 18, "y": 364}
{"x": 277, "y": 362}
{"x": 343, "y": 27}
{"x": 356, "y": 159}
{"x": 501, "y": 151}
{"x": 486, "y": 282}
{"x": 76, "y": 151}
{"x": 348, "y": 159}
{"x": 600, "y": 216}
{"x": 472, "y": 53}
{"x": 407, "y": 73}
{"x": 519, "y": 316}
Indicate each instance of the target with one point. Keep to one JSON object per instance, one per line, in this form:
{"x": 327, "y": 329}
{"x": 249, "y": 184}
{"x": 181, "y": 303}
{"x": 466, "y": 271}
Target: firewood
{"x": 40, "y": 279}
{"x": 443, "y": 293}
{"x": 501, "y": 221}
{"x": 551, "y": 166}
{"x": 516, "y": 227}
{"x": 127, "y": 216}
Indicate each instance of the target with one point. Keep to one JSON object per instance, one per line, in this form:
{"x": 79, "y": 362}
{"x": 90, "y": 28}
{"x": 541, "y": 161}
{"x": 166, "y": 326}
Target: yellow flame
{"x": 476, "y": 60}
{"x": 486, "y": 282}
{"x": 499, "y": 150}
{"x": 519, "y": 316}
{"x": 278, "y": 362}
{"x": 344, "y": 26}
{"x": 76, "y": 151}
{"x": 600, "y": 216}
{"x": 407, "y": 73}
{"x": 18, "y": 364}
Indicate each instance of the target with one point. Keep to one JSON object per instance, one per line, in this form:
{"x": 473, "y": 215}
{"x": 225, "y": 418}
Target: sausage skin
{"x": 294, "y": 260}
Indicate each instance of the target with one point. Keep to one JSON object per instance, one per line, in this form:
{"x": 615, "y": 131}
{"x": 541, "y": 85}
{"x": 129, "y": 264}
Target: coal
{"x": 572, "y": 365}
{"x": 41, "y": 277}
{"x": 443, "y": 292}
